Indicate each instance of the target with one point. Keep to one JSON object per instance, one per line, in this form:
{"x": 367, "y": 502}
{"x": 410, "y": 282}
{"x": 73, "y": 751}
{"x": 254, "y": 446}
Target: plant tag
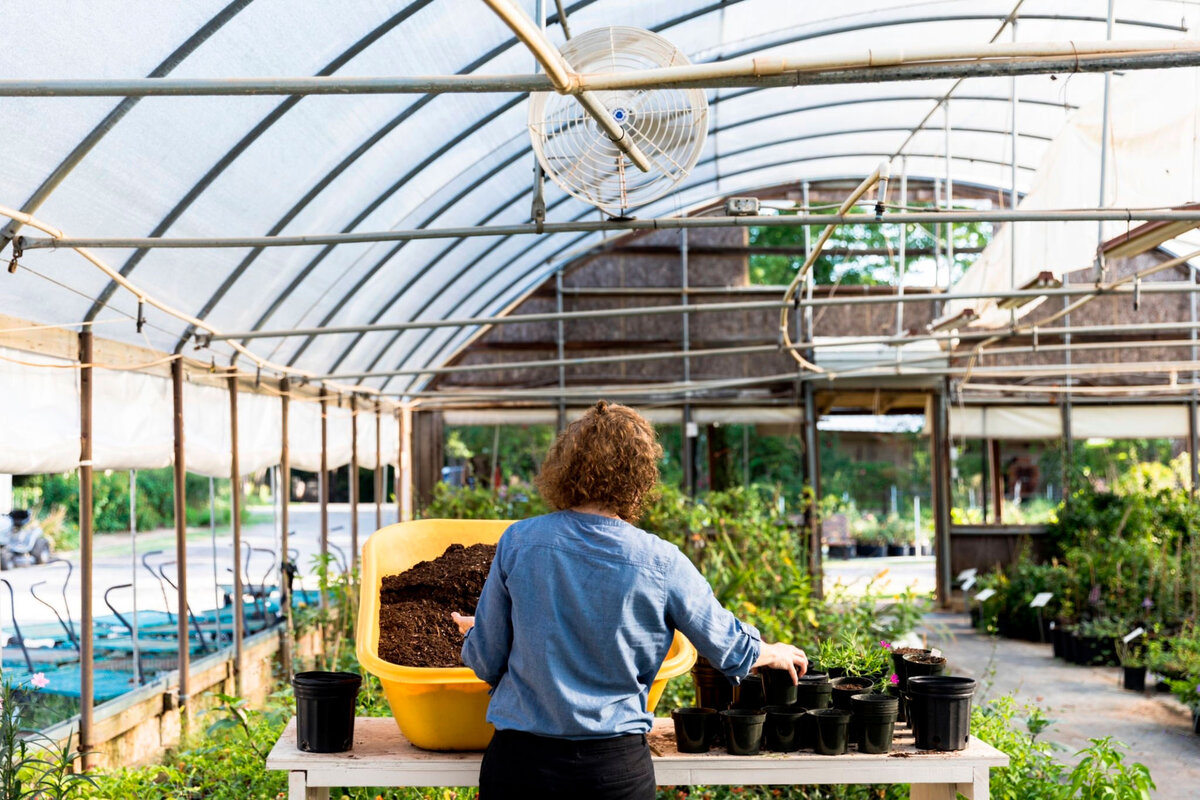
{"x": 966, "y": 587}
{"x": 1133, "y": 634}
{"x": 967, "y": 574}
{"x": 985, "y": 595}
{"x": 1041, "y": 600}
{"x": 935, "y": 653}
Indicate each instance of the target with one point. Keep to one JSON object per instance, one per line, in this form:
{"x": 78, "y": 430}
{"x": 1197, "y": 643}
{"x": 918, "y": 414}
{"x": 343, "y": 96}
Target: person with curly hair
{"x": 577, "y": 615}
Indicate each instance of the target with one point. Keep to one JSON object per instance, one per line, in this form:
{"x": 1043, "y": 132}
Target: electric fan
{"x": 667, "y": 125}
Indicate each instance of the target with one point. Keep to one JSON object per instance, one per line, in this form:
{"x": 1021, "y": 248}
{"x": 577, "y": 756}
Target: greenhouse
{"x": 531, "y": 398}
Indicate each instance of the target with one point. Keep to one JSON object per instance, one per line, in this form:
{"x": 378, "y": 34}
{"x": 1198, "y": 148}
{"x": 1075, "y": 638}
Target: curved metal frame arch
{"x": 274, "y": 116}
{"x": 461, "y": 274}
{"x": 514, "y": 198}
{"x": 365, "y": 42}
{"x": 93, "y": 137}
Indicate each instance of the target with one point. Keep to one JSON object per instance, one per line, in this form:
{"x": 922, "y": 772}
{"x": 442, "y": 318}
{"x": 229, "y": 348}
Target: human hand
{"x": 785, "y": 657}
{"x": 464, "y": 623}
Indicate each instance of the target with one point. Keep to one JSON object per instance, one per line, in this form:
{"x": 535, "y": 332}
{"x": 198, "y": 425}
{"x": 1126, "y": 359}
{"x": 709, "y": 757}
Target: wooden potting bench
{"x": 383, "y": 757}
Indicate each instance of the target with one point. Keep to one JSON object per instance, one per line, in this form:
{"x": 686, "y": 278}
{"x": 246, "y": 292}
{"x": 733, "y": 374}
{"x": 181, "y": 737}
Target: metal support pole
{"x": 404, "y": 500}
{"x": 810, "y": 279}
{"x": 285, "y": 481}
{"x": 212, "y": 533}
{"x": 938, "y": 303}
{"x": 903, "y": 271}
{"x": 179, "y": 473}
{"x": 377, "y": 476}
{"x": 690, "y": 441}
{"x": 941, "y": 493}
{"x": 1101, "y": 269}
{"x": 133, "y": 575}
{"x": 1192, "y": 401}
{"x": 812, "y": 479}
{"x": 949, "y": 198}
{"x": 1012, "y": 190}
{"x": 560, "y": 336}
{"x": 353, "y": 483}
{"x": 86, "y": 656}
{"x": 235, "y": 519}
{"x": 323, "y": 486}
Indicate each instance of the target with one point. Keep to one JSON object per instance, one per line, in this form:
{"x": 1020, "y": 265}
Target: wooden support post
{"x": 285, "y": 488}
{"x": 86, "y": 656}
{"x": 812, "y": 481}
{"x": 235, "y": 518}
{"x": 380, "y": 469}
{"x": 996, "y": 490}
{"x": 426, "y": 455}
{"x": 1192, "y": 443}
{"x": 404, "y": 481}
{"x": 323, "y": 485}
{"x": 940, "y": 442}
{"x": 353, "y": 483}
{"x": 179, "y": 473}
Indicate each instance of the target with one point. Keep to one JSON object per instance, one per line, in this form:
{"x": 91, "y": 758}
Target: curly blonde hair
{"x": 608, "y": 458}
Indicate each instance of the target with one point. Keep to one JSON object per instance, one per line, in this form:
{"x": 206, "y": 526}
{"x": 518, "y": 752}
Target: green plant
{"x": 31, "y": 764}
{"x": 1102, "y": 774}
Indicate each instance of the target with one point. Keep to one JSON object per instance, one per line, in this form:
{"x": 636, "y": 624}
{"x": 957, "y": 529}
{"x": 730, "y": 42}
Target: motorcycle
{"x": 22, "y": 541}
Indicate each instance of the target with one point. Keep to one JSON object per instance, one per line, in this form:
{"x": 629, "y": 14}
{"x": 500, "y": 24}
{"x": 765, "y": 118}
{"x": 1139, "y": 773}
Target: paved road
{"x": 113, "y": 564}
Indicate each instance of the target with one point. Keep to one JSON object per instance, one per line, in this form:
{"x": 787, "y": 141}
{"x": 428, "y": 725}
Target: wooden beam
{"x": 235, "y": 516}
{"x": 179, "y": 477}
{"x": 86, "y": 530}
{"x": 285, "y": 487}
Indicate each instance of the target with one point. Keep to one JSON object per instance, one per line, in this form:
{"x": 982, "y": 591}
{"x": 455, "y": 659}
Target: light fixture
{"x": 1043, "y": 280}
{"x": 741, "y": 206}
{"x": 960, "y": 320}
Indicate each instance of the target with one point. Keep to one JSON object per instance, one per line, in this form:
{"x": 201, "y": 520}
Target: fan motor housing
{"x": 741, "y": 206}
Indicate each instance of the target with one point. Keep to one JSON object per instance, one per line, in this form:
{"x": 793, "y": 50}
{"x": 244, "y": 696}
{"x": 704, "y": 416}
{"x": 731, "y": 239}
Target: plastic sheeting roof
{"x": 222, "y": 166}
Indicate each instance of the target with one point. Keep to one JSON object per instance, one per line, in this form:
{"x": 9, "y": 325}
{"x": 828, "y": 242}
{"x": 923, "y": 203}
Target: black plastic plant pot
{"x": 783, "y": 732}
{"x": 900, "y": 666}
{"x": 894, "y": 691}
{"x": 778, "y": 689}
{"x": 814, "y": 692}
{"x": 1196, "y": 722}
{"x": 743, "y": 731}
{"x": 695, "y": 729}
{"x": 940, "y": 711}
{"x": 846, "y": 688}
{"x": 749, "y": 693}
{"x": 876, "y": 718}
{"x": 1134, "y": 678}
{"x": 923, "y": 664}
{"x": 831, "y": 729}
{"x": 1058, "y": 640}
{"x": 713, "y": 690}
{"x": 325, "y": 710}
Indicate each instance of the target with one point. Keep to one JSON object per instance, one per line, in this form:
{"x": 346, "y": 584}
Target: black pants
{"x": 523, "y": 766}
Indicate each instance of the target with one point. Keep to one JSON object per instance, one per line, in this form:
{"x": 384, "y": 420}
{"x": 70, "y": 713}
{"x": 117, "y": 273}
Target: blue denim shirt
{"x": 576, "y": 617}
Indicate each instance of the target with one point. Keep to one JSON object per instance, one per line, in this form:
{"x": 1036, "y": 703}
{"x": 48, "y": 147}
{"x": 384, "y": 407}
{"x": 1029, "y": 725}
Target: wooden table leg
{"x": 933, "y": 791}
{"x": 298, "y": 788}
{"x": 978, "y": 788}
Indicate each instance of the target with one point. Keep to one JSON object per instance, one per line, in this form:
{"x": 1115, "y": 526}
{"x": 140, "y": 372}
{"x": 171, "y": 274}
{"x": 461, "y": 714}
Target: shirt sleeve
{"x": 486, "y": 647}
{"x": 730, "y": 645}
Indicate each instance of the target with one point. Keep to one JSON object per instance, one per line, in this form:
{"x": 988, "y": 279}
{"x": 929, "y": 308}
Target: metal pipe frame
{"x": 380, "y": 469}
{"x": 660, "y": 223}
{"x": 460, "y": 275}
{"x": 1029, "y": 58}
{"x": 353, "y": 483}
{"x": 323, "y": 487}
{"x": 429, "y": 265}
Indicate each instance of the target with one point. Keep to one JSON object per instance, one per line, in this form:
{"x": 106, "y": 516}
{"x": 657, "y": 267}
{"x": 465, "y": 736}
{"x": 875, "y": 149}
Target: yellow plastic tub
{"x": 444, "y": 708}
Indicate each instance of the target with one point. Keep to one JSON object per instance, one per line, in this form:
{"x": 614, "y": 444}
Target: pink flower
{"x": 40, "y": 680}
{"x": 895, "y": 679}
{"x": 885, "y": 645}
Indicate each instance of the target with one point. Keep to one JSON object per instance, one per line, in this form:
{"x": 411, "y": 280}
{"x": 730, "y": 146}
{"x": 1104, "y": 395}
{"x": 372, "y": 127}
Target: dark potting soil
{"x": 927, "y": 659}
{"x": 853, "y": 686}
{"x": 908, "y": 651}
{"x": 415, "y": 629}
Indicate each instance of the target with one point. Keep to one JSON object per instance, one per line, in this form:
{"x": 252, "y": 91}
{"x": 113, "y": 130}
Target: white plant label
{"x": 1041, "y": 599}
{"x": 968, "y": 584}
{"x": 985, "y": 594}
{"x": 1133, "y": 634}
{"x": 935, "y": 653}
{"x": 967, "y": 574}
